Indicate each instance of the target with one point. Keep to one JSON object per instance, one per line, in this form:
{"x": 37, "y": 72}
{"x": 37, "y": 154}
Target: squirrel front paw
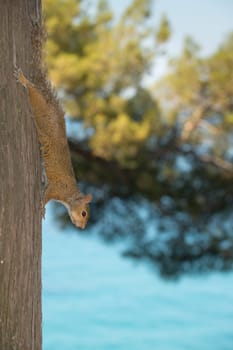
{"x": 19, "y": 76}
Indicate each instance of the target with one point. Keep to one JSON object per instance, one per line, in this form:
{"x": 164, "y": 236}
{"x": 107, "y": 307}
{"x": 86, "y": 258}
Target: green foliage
{"x": 164, "y": 31}
{"x": 220, "y": 74}
{"x": 200, "y": 92}
{"x": 96, "y": 62}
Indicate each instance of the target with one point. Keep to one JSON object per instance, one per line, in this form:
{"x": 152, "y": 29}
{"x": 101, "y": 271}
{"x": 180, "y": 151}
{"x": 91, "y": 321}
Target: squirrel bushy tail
{"x": 38, "y": 37}
{"x": 38, "y": 67}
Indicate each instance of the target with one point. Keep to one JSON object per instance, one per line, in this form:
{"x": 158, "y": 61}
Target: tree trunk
{"x": 20, "y": 186}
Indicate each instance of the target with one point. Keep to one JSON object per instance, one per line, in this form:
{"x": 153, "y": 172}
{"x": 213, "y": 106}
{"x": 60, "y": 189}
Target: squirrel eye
{"x": 84, "y": 213}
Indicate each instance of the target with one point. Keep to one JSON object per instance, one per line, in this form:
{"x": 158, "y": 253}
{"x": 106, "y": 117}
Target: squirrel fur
{"x": 50, "y": 125}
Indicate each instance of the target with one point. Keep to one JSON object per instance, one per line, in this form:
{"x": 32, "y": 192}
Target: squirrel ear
{"x": 88, "y": 198}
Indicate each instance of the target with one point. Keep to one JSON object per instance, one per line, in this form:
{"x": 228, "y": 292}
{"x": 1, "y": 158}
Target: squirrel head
{"x": 79, "y": 210}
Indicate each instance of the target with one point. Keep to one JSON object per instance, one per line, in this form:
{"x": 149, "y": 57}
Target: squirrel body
{"x": 61, "y": 183}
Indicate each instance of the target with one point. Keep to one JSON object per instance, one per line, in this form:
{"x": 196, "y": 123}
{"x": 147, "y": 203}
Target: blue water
{"x": 94, "y": 299}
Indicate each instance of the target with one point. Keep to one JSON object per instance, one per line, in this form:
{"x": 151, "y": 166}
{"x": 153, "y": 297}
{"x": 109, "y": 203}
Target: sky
{"x": 206, "y": 21}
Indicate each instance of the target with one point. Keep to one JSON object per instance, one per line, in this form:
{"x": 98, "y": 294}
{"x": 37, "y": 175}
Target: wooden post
{"x": 20, "y": 186}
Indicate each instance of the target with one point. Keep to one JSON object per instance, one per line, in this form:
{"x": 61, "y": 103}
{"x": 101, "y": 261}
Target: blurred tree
{"x": 146, "y": 155}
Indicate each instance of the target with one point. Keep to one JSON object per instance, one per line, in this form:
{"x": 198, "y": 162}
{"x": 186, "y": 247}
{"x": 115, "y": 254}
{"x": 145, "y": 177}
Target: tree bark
{"x": 20, "y": 186}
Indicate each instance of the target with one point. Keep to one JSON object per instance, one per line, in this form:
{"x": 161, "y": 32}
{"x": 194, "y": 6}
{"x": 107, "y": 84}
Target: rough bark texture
{"x": 20, "y": 189}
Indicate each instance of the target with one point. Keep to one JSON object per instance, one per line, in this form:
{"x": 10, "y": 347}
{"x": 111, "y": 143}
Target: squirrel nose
{"x": 81, "y": 225}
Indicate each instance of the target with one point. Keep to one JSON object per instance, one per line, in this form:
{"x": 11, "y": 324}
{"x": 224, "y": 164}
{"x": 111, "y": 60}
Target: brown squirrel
{"x": 50, "y": 125}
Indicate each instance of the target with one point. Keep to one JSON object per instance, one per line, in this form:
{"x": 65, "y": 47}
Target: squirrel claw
{"x": 17, "y": 72}
{"x": 35, "y": 21}
{"x": 43, "y": 211}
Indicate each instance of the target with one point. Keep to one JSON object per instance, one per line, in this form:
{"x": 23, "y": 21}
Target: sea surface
{"x": 93, "y": 299}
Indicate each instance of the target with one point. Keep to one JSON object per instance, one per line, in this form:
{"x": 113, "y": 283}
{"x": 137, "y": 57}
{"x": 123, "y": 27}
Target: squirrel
{"x": 50, "y": 125}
